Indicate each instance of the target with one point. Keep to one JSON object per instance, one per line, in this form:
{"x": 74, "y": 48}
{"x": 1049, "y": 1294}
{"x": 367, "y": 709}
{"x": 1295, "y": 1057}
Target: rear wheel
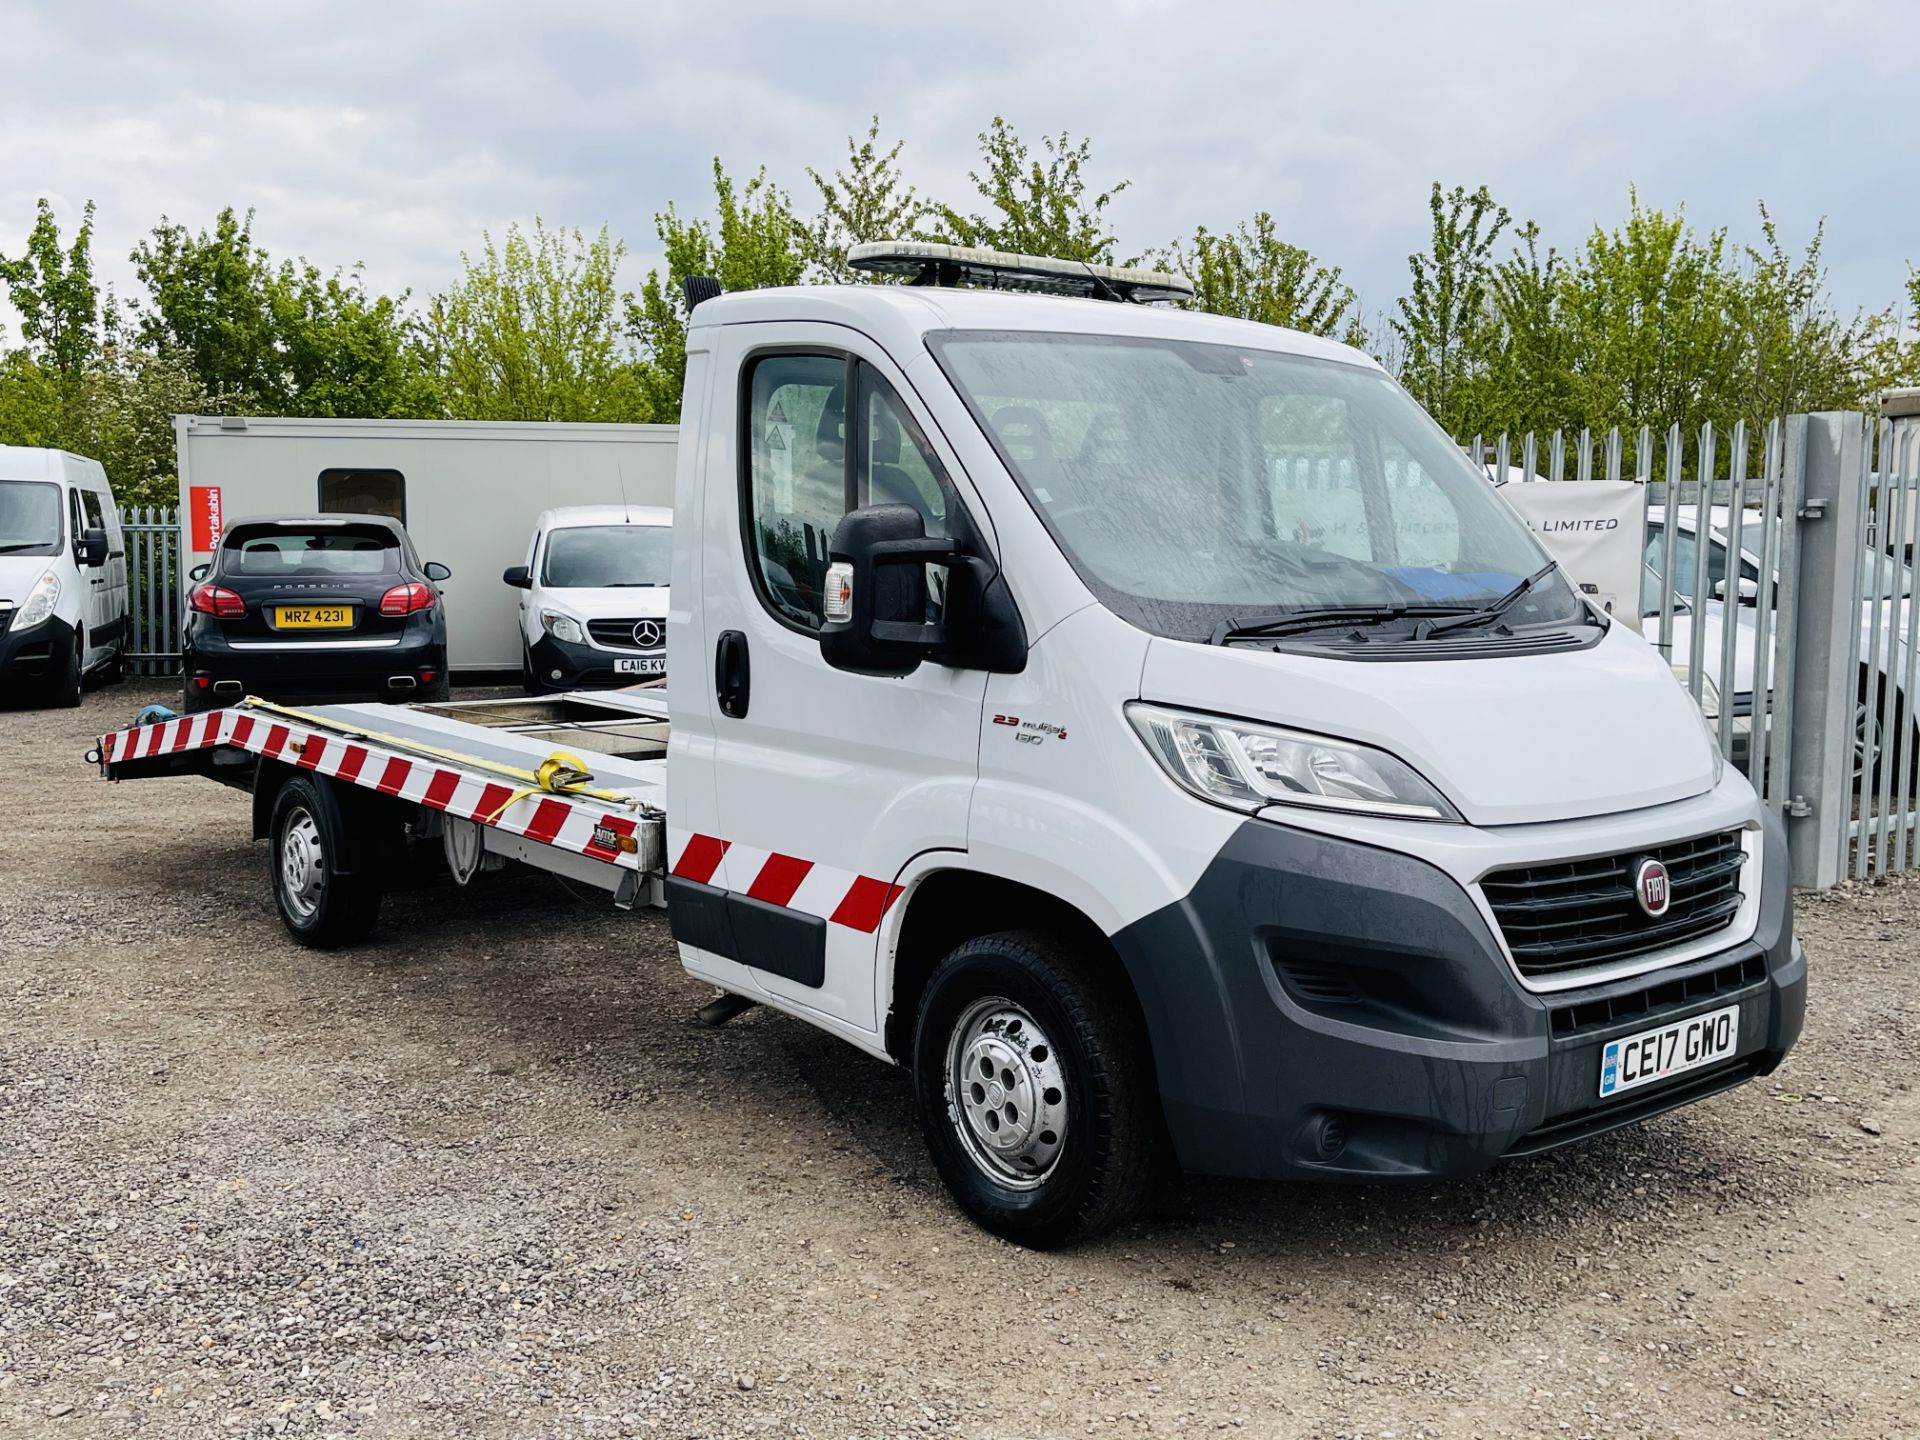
{"x": 194, "y": 701}
{"x": 1034, "y": 1091}
{"x": 319, "y": 905}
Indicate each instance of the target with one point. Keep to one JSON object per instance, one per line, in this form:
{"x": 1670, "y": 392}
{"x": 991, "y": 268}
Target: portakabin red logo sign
{"x": 203, "y": 510}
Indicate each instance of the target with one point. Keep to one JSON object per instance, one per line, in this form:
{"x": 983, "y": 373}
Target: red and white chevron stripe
{"x": 840, "y": 897}
{"x": 582, "y": 827}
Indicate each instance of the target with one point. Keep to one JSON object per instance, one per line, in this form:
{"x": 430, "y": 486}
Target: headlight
{"x": 1246, "y": 767}
{"x": 41, "y": 599}
{"x": 562, "y": 627}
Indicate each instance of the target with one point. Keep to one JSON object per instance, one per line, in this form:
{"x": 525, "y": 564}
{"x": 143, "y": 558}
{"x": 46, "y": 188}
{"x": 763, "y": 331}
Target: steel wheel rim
{"x": 1006, "y": 1093}
{"x": 1866, "y": 739}
{"x": 303, "y": 862}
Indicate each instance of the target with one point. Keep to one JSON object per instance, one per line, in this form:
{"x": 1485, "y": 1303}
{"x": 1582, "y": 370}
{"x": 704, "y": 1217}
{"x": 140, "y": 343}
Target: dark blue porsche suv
{"x": 334, "y": 607}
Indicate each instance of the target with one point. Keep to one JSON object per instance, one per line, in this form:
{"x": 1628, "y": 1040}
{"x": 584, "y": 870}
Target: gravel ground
{"x": 483, "y": 1176}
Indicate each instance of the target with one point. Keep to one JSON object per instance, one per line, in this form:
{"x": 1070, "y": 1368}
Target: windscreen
{"x": 297, "y": 552}
{"x": 598, "y": 557}
{"x": 29, "y": 518}
{"x": 1192, "y": 484}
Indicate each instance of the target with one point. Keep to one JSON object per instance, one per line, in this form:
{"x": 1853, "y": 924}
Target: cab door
{"x": 92, "y": 579}
{"x": 107, "y": 629}
{"x": 825, "y": 783}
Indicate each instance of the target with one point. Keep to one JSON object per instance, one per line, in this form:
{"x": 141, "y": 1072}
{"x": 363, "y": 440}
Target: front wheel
{"x": 69, "y": 682}
{"x": 1034, "y": 1091}
{"x": 319, "y": 906}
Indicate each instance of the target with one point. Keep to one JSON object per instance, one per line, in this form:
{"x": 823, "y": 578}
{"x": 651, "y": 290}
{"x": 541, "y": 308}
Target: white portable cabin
{"x": 468, "y": 492}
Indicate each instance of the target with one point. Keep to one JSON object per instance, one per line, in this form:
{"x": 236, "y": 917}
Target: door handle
{"x": 732, "y": 677}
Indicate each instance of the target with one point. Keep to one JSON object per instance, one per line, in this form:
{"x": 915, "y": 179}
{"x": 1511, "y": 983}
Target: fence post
{"x": 1821, "y": 699}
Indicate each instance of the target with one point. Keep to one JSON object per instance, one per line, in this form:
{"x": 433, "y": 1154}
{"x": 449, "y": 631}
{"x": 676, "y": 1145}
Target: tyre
{"x": 1034, "y": 1090}
{"x": 194, "y": 701}
{"x": 319, "y": 906}
{"x": 69, "y": 681}
{"x": 1876, "y": 744}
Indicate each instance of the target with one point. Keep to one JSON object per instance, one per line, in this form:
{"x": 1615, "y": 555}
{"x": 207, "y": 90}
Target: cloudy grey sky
{"x": 394, "y": 133}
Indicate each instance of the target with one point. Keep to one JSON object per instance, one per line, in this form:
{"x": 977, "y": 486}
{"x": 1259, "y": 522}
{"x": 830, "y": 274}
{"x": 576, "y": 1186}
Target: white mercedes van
{"x": 63, "y": 576}
{"x": 593, "y": 607}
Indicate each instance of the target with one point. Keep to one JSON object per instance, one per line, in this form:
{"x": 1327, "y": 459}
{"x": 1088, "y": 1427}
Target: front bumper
{"x": 561, "y": 665}
{"x": 34, "y": 655}
{"x": 1324, "y": 1009}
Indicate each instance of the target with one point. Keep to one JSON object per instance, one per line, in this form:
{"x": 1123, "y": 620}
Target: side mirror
{"x": 200, "y": 572}
{"x": 877, "y": 593}
{"x": 876, "y": 600}
{"x": 92, "y": 549}
{"x": 517, "y": 576}
{"x": 437, "y": 572}
{"x": 1749, "y": 591}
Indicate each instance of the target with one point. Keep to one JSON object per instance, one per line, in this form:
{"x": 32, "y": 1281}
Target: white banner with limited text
{"x": 1596, "y": 529}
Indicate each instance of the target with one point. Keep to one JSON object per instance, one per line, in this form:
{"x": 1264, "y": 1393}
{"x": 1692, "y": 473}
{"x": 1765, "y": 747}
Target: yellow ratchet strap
{"x": 558, "y": 774}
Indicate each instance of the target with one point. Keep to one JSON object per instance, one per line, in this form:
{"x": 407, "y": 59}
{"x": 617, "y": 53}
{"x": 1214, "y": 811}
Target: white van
{"x": 593, "y": 607}
{"x": 63, "y": 575}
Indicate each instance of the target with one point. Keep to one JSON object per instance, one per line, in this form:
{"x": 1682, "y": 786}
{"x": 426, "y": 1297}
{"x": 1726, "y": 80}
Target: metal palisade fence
{"x": 1878, "y": 823}
{"x": 155, "y": 585}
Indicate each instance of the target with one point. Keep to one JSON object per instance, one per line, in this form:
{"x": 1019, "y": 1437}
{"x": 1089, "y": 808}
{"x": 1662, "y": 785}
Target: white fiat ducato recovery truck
{"x": 1147, "y": 727}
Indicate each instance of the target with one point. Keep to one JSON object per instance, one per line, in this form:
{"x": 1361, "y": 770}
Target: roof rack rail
{"x": 926, "y": 262}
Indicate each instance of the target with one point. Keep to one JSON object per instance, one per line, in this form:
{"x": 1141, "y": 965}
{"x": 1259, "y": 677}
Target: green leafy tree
{"x": 54, "y": 293}
{"x": 1035, "y": 204}
{"x": 1798, "y": 352}
{"x": 866, "y": 199}
{"x": 1252, "y": 274}
{"x": 206, "y": 301}
{"x": 534, "y": 330}
{"x": 1528, "y": 361}
{"x": 754, "y": 240}
{"x": 1650, "y": 310}
{"x": 286, "y": 338}
{"x": 1443, "y": 324}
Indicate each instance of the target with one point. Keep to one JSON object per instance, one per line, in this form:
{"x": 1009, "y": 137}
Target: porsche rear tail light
{"x": 211, "y": 599}
{"x": 405, "y": 599}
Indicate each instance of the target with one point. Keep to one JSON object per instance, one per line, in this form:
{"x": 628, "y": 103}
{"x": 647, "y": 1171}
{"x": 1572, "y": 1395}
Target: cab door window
{"x": 803, "y": 475}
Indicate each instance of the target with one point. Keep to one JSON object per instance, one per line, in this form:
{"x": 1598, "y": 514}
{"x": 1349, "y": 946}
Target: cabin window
{"x": 364, "y": 492}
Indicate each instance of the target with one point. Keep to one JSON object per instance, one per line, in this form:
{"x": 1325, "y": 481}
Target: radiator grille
{"x": 619, "y": 634}
{"x": 1576, "y": 913}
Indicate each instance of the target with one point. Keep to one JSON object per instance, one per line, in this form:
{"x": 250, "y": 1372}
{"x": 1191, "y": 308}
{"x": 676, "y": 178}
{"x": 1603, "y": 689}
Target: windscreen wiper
{"x": 1492, "y": 612}
{"x": 13, "y": 545}
{"x": 1292, "y": 622}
